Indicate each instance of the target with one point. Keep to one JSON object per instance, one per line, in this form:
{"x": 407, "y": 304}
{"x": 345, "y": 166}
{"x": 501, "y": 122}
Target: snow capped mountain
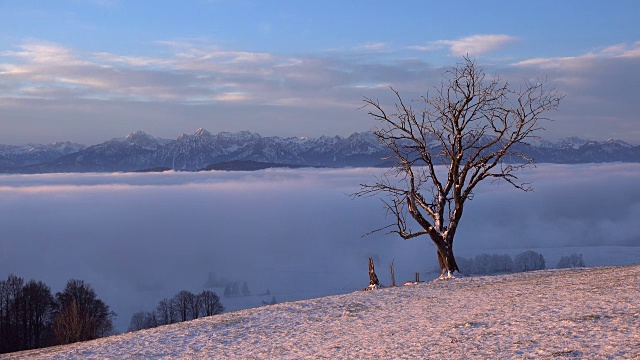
{"x": 618, "y": 143}
{"x": 142, "y": 140}
{"x": 25, "y": 155}
{"x": 193, "y": 152}
{"x": 139, "y": 151}
{"x": 202, "y": 132}
{"x": 572, "y": 142}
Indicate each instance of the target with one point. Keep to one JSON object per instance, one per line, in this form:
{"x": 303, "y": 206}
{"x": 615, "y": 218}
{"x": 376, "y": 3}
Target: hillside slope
{"x": 582, "y": 313}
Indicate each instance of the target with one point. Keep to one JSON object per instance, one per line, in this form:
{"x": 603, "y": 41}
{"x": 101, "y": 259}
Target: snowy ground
{"x": 589, "y": 313}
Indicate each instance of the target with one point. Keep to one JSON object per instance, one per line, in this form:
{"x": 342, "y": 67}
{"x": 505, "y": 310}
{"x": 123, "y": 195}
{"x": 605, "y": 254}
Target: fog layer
{"x": 138, "y": 238}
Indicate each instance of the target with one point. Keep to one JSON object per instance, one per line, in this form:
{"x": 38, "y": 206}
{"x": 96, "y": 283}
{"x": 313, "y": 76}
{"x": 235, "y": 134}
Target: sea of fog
{"x": 140, "y": 237}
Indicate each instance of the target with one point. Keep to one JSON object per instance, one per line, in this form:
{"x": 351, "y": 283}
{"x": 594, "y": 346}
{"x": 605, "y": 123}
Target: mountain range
{"x": 140, "y": 151}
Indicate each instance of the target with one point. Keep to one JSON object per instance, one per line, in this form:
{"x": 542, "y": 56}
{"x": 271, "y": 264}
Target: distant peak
{"x": 141, "y": 139}
{"x": 138, "y": 134}
{"x": 201, "y": 132}
{"x": 618, "y": 142}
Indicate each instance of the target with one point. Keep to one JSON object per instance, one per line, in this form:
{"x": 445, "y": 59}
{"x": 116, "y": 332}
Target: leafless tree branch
{"x": 466, "y": 132}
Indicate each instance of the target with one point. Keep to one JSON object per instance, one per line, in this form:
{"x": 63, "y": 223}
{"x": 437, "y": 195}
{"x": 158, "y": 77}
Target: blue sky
{"x": 89, "y": 70}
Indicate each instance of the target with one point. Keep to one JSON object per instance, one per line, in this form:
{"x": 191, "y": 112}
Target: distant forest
{"x": 184, "y": 306}
{"x": 486, "y": 264}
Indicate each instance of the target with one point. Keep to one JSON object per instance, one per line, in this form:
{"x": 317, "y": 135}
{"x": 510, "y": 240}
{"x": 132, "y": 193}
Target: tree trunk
{"x": 446, "y": 260}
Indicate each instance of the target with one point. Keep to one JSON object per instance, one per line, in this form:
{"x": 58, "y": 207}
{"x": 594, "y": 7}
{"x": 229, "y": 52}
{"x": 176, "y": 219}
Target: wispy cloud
{"x": 45, "y": 53}
{"x": 317, "y": 90}
{"x": 600, "y": 88}
{"x": 621, "y": 51}
{"x": 372, "y": 46}
{"x": 472, "y": 45}
{"x": 232, "y": 96}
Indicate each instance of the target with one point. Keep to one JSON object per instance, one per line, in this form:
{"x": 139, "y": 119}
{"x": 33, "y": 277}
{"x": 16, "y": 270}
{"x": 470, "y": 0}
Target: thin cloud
{"x": 312, "y": 91}
{"x": 233, "y": 97}
{"x": 372, "y": 46}
{"x": 624, "y": 51}
{"x": 137, "y": 61}
{"x": 45, "y": 53}
{"x": 472, "y": 45}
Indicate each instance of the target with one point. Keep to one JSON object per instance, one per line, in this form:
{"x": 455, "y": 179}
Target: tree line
{"x": 485, "y": 264}
{"x": 183, "y": 306}
{"x": 31, "y": 316}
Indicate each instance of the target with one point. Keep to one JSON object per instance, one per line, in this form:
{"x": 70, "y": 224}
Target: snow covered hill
{"x": 581, "y": 313}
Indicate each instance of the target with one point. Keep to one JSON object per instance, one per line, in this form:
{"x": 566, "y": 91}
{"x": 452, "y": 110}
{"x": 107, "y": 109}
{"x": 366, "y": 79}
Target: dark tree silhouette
{"x": 143, "y": 320}
{"x": 10, "y": 320}
{"x": 166, "y": 312}
{"x": 182, "y": 302}
{"x": 80, "y": 315}
{"x": 210, "y": 302}
{"x": 195, "y": 306}
{"x": 471, "y": 124}
{"x": 38, "y": 310}
{"x": 183, "y": 306}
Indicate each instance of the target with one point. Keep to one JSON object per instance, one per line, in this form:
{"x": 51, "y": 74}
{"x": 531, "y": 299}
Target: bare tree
{"x": 210, "y": 302}
{"x": 195, "y": 306}
{"x": 38, "y": 309}
{"x": 72, "y": 324}
{"x": 137, "y": 321}
{"x": 166, "y": 312}
{"x": 80, "y": 315}
{"x": 143, "y": 320}
{"x": 11, "y": 293}
{"x": 472, "y": 125}
{"x": 183, "y": 303}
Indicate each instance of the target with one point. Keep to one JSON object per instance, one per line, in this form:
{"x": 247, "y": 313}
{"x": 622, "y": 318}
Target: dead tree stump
{"x": 393, "y": 275}
{"x": 373, "y": 278}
